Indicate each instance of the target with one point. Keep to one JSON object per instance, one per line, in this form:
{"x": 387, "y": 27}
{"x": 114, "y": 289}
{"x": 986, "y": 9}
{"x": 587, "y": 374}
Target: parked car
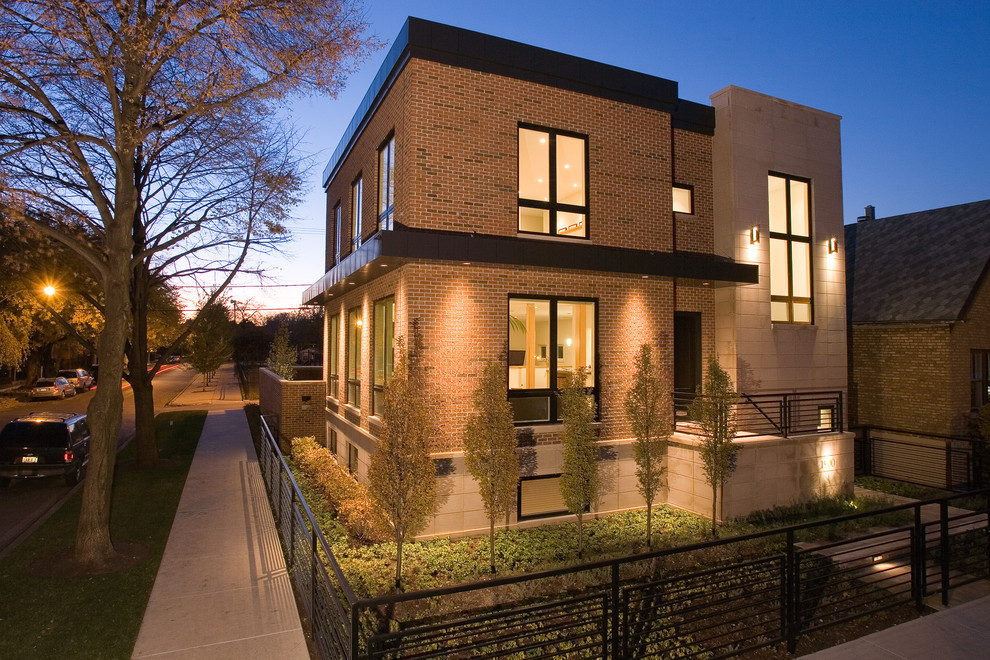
{"x": 44, "y": 444}
{"x": 79, "y": 378}
{"x": 52, "y": 388}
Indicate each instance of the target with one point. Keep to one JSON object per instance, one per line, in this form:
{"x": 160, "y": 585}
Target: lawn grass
{"x": 99, "y": 616}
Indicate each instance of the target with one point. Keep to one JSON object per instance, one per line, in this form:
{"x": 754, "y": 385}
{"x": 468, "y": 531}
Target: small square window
{"x": 683, "y": 199}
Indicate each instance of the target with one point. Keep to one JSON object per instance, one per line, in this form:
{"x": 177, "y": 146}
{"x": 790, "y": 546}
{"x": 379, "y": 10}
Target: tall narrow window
{"x": 356, "y": 201}
{"x": 790, "y": 249}
{"x": 553, "y": 181}
{"x": 549, "y": 339}
{"x": 333, "y": 359}
{"x": 354, "y": 323}
{"x": 386, "y": 183}
{"x": 352, "y": 458}
{"x": 980, "y": 379}
{"x": 384, "y": 351}
{"x": 336, "y": 232}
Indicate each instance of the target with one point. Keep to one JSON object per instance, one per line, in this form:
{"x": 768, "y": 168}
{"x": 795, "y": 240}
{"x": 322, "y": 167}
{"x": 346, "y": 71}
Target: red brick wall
{"x": 297, "y": 418}
{"x": 693, "y": 166}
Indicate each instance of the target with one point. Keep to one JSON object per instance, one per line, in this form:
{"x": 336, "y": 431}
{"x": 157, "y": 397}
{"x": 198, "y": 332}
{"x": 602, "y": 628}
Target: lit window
{"x": 553, "y": 183}
{"x": 386, "y": 183}
{"x": 356, "y": 201}
{"x": 683, "y": 199}
{"x": 540, "y": 497}
{"x": 549, "y": 339}
{"x": 384, "y": 351}
{"x": 333, "y": 360}
{"x": 354, "y": 323}
{"x": 790, "y": 249}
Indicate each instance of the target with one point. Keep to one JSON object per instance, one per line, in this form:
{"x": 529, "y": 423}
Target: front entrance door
{"x": 687, "y": 358}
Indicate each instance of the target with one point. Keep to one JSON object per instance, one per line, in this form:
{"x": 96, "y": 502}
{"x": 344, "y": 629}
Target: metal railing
{"x": 783, "y": 414}
{"x": 714, "y": 599}
{"x": 927, "y": 459}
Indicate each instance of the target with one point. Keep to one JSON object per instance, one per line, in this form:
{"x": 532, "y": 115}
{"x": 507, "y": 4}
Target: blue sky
{"x": 911, "y": 81}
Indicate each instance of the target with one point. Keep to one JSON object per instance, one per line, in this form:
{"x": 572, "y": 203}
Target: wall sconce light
{"x": 833, "y": 245}
{"x": 754, "y": 235}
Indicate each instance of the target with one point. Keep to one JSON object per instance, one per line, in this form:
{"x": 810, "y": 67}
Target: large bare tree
{"x": 111, "y": 109}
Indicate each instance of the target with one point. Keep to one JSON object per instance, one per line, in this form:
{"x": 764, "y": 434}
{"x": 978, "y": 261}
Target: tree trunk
{"x": 580, "y": 518}
{"x": 144, "y": 421}
{"x": 491, "y": 542}
{"x": 398, "y": 565}
{"x": 93, "y": 545}
{"x": 714, "y": 512}
{"x": 649, "y": 524}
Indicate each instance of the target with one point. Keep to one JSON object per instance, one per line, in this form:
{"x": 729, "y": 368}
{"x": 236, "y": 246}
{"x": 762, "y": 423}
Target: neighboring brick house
{"x": 508, "y": 200}
{"x": 919, "y": 312}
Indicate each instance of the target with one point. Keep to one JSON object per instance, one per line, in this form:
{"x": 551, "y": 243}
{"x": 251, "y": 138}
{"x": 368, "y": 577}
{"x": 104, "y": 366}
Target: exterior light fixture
{"x": 833, "y": 245}
{"x": 568, "y": 341}
{"x": 754, "y": 235}
{"x": 359, "y": 323}
{"x": 49, "y": 290}
{"x": 877, "y": 559}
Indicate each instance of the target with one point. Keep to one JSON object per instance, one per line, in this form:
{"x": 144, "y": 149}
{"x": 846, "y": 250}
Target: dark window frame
{"x": 352, "y": 458}
{"x": 353, "y": 366}
{"x": 386, "y": 182}
{"x": 552, "y": 392}
{"x": 552, "y": 205}
{"x": 357, "y": 204}
{"x": 338, "y": 225}
{"x": 378, "y": 388}
{"x": 790, "y": 238}
{"x": 979, "y": 379}
{"x": 333, "y": 358}
{"x": 332, "y": 440}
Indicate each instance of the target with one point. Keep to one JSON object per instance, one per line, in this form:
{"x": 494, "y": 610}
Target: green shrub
{"x": 348, "y": 498}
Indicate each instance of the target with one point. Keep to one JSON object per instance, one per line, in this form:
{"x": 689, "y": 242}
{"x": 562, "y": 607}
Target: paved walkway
{"x": 222, "y": 589}
{"x": 958, "y": 633}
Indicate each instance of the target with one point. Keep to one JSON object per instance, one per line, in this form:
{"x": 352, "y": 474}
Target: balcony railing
{"x": 783, "y": 414}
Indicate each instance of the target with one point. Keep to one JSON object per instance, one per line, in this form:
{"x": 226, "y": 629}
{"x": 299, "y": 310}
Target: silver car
{"x": 80, "y": 378}
{"x": 52, "y": 388}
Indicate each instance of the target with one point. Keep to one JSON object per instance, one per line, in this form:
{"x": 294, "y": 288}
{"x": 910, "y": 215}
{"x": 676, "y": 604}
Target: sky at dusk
{"x": 911, "y": 81}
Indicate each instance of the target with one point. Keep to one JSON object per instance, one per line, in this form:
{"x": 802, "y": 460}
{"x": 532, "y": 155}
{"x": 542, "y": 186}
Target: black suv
{"x": 42, "y": 445}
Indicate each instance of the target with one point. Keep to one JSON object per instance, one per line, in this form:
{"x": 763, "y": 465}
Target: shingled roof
{"x": 917, "y": 267}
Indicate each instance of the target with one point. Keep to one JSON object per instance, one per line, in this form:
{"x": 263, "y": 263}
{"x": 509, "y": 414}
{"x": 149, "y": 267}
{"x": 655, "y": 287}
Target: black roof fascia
{"x": 482, "y": 52}
{"x": 404, "y": 245}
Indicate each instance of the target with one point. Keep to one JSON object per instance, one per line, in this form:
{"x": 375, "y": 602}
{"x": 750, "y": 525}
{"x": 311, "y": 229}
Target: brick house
{"x": 506, "y": 199}
{"x": 919, "y": 313}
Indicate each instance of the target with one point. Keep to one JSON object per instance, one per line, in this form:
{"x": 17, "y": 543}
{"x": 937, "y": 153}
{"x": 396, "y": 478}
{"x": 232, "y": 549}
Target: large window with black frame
{"x": 979, "y": 380}
{"x": 386, "y": 183}
{"x": 333, "y": 359}
{"x": 790, "y": 249}
{"x": 549, "y": 339}
{"x": 384, "y": 347}
{"x": 357, "y": 200}
{"x": 355, "y": 321}
{"x": 553, "y": 182}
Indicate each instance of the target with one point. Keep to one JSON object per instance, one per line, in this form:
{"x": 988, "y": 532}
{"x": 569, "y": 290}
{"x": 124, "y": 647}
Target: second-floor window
{"x": 683, "y": 198}
{"x": 790, "y": 249}
{"x": 553, "y": 182}
{"x": 356, "y": 201}
{"x": 336, "y": 233}
{"x": 386, "y": 184}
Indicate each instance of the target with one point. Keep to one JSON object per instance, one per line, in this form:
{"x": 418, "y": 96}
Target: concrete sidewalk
{"x": 958, "y": 633}
{"x": 222, "y": 589}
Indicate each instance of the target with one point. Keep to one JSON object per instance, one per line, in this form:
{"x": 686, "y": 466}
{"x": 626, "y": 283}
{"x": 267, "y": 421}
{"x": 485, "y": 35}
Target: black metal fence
{"x": 927, "y": 459}
{"x": 715, "y": 599}
{"x": 782, "y": 414}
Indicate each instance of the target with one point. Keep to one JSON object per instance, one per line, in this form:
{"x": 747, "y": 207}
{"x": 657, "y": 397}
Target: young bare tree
{"x": 714, "y": 412}
{"x": 490, "y": 448}
{"x": 402, "y": 477}
{"x": 126, "y": 112}
{"x": 210, "y": 343}
{"x": 649, "y": 408}
{"x": 579, "y": 479}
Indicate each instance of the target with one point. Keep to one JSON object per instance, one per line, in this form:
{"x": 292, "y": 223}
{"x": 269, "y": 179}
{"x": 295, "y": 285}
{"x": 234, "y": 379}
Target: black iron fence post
{"x": 615, "y": 611}
{"x": 944, "y": 528}
{"x": 790, "y": 599}
{"x": 291, "y": 541}
{"x": 918, "y": 560}
{"x": 354, "y": 632}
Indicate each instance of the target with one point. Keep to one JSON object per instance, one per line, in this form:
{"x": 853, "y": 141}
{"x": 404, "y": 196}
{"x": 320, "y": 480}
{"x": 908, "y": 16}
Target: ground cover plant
{"x": 46, "y": 615}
